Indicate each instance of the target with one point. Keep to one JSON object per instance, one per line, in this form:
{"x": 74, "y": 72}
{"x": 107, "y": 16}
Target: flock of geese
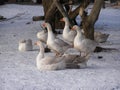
{"x": 60, "y": 60}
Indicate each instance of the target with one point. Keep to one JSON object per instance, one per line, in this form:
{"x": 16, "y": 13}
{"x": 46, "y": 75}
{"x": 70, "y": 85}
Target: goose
{"x": 100, "y": 37}
{"x": 68, "y": 34}
{"x": 42, "y": 35}
{"x": 83, "y": 44}
{"x": 25, "y": 45}
{"x": 57, "y": 63}
{"x": 54, "y": 43}
{"x": 72, "y": 60}
{"x": 48, "y": 62}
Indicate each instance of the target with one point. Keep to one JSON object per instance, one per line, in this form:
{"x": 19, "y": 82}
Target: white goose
{"x": 100, "y": 37}
{"x": 76, "y": 61}
{"x": 56, "y": 63}
{"x": 83, "y": 44}
{"x": 42, "y": 35}
{"x": 48, "y": 62}
{"x": 55, "y": 44}
{"x": 68, "y": 34}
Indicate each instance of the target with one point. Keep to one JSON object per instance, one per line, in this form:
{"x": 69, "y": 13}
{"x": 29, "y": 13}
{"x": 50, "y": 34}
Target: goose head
{"x": 39, "y": 43}
{"x": 64, "y": 19}
{"x": 51, "y": 35}
{"x": 42, "y": 35}
{"x": 48, "y": 26}
{"x": 80, "y": 35}
{"x": 75, "y": 27}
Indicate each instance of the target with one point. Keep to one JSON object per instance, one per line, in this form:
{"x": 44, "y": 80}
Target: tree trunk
{"x": 49, "y": 17}
{"x": 62, "y": 11}
{"x": 52, "y": 14}
{"x": 88, "y": 21}
{"x": 54, "y": 11}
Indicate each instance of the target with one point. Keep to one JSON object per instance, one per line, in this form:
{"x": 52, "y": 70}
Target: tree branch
{"x": 75, "y": 12}
{"x": 93, "y": 17}
{"x": 52, "y": 9}
{"x": 61, "y": 9}
{"x": 84, "y": 4}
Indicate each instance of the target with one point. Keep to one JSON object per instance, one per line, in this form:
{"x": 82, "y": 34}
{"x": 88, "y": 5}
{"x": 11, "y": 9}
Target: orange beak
{"x": 44, "y": 25}
{"x": 61, "y": 19}
{"x": 72, "y": 28}
{"x": 35, "y": 43}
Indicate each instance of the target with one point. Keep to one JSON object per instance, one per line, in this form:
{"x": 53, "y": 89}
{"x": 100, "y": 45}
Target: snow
{"x": 18, "y": 69}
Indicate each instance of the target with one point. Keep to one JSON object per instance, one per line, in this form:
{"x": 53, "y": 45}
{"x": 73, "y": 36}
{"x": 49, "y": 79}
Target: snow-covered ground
{"x": 18, "y": 69}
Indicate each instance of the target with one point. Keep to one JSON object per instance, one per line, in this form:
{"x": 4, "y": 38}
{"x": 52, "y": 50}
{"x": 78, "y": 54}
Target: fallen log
{"x": 38, "y": 18}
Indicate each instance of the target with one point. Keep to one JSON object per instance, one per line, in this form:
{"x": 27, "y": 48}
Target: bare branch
{"x": 74, "y": 13}
{"x": 63, "y": 12}
{"x": 83, "y": 5}
{"x": 52, "y": 9}
{"x": 93, "y": 17}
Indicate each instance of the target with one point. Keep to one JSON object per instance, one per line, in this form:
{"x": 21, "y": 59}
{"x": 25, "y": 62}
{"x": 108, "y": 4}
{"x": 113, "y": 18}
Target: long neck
{"x": 67, "y": 24}
{"x": 50, "y": 33}
{"x": 41, "y": 53}
{"x": 79, "y": 35}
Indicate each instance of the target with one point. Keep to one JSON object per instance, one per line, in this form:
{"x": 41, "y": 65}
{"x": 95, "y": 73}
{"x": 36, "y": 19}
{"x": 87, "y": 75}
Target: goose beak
{"x": 44, "y": 25}
{"x": 61, "y": 19}
{"x": 41, "y": 25}
{"x": 72, "y": 28}
{"x": 35, "y": 43}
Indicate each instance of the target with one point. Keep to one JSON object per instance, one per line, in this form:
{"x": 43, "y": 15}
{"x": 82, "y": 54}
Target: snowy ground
{"x": 18, "y": 70}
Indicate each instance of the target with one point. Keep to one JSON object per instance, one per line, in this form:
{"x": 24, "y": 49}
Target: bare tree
{"x": 88, "y": 21}
{"x": 54, "y": 10}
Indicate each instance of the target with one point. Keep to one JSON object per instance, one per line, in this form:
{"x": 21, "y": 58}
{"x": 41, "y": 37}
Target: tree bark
{"x": 88, "y": 21}
{"x": 52, "y": 14}
{"x": 62, "y": 11}
{"x": 48, "y": 16}
{"x": 54, "y": 11}
{"x": 93, "y": 17}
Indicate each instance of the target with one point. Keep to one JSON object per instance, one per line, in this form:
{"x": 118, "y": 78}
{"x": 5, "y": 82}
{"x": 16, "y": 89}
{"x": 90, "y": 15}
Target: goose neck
{"x": 79, "y": 34}
{"x": 41, "y": 53}
{"x": 67, "y": 22}
{"x": 66, "y": 28}
{"x": 50, "y": 33}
